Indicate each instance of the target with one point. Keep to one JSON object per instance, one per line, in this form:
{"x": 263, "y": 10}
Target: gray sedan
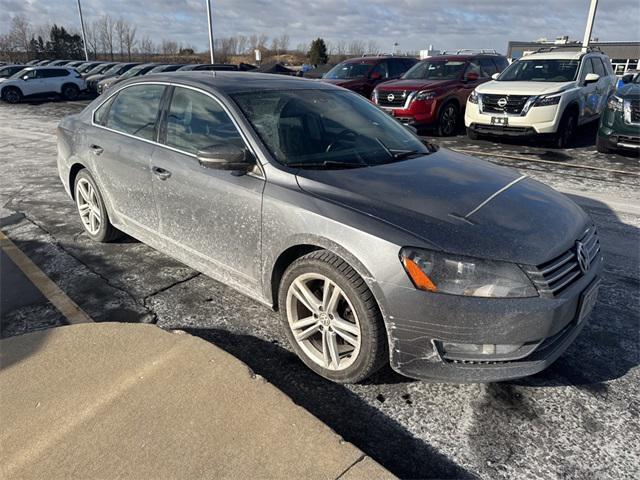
{"x": 375, "y": 246}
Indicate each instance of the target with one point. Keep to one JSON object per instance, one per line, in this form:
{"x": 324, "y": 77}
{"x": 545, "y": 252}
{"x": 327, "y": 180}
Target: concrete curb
{"x": 114, "y": 400}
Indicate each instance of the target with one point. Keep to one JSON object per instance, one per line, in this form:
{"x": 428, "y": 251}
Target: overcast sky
{"x": 414, "y": 24}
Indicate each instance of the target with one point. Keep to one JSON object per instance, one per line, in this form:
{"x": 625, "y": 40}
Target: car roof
{"x": 234, "y": 82}
{"x": 376, "y": 59}
{"x": 560, "y": 55}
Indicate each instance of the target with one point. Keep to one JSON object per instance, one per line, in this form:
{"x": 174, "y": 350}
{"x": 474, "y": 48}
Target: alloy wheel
{"x": 88, "y": 206}
{"x": 12, "y": 96}
{"x": 448, "y": 121}
{"x": 323, "y": 321}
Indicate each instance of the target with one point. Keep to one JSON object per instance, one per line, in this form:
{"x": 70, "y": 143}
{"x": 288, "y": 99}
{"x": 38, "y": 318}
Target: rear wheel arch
{"x": 75, "y": 169}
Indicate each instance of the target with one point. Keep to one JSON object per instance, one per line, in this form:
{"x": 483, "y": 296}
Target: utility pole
{"x": 210, "y": 31}
{"x": 589, "y": 27}
{"x": 84, "y": 36}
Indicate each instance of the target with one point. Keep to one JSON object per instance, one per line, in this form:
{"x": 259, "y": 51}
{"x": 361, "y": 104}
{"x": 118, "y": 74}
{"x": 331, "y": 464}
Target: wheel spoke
{"x": 325, "y": 349}
{"x": 84, "y": 209}
{"x": 330, "y": 300}
{"x": 83, "y": 192}
{"x": 307, "y": 333}
{"x": 353, "y": 341}
{"x": 341, "y": 324}
{"x": 333, "y": 349}
{"x": 305, "y": 322}
{"x": 306, "y": 297}
{"x": 92, "y": 219}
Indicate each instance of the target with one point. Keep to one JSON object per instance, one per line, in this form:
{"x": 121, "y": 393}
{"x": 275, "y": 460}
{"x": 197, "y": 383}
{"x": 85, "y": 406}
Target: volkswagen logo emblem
{"x": 391, "y": 97}
{"x": 583, "y": 257}
{"x": 502, "y": 102}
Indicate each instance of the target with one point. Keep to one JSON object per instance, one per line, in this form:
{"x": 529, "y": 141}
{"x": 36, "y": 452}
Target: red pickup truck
{"x": 434, "y": 91}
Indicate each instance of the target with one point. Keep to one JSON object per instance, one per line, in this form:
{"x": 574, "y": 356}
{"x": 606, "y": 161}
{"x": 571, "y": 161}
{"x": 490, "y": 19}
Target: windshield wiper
{"x": 401, "y": 155}
{"x": 325, "y": 164}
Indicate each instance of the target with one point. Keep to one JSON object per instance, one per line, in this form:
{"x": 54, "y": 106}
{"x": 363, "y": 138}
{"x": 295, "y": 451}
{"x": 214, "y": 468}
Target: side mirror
{"x": 591, "y": 78}
{"x": 495, "y": 75}
{"x": 471, "y": 77}
{"x": 25, "y": 77}
{"x": 375, "y": 76}
{"x": 225, "y": 157}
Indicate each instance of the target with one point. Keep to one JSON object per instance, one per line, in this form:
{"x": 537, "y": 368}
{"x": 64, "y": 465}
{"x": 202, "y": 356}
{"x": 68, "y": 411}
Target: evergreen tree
{"x": 318, "y": 52}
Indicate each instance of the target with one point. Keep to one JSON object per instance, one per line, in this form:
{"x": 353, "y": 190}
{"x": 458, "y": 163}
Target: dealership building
{"x": 624, "y": 55}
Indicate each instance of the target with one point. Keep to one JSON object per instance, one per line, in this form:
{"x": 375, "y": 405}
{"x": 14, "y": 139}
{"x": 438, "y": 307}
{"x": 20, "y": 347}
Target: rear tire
{"x": 92, "y": 211}
{"x": 70, "y": 91}
{"x": 12, "y": 95}
{"x": 448, "y": 120}
{"x": 356, "y": 341}
{"x": 566, "y": 130}
{"x": 601, "y": 146}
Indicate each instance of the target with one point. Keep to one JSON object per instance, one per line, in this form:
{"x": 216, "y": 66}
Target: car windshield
{"x": 348, "y": 70}
{"x": 133, "y": 72}
{"x": 327, "y": 129}
{"x": 18, "y": 74}
{"x": 435, "y": 70}
{"x": 7, "y": 72}
{"x": 540, "y": 71}
{"x": 113, "y": 70}
{"x": 99, "y": 69}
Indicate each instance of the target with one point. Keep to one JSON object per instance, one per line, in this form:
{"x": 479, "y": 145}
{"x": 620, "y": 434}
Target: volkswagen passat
{"x": 374, "y": 246}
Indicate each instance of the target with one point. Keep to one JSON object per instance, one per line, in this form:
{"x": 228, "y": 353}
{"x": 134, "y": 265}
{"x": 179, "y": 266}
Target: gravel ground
{"x": 578, "y": 419}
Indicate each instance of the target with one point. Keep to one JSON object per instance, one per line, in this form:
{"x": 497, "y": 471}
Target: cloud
{"x": 414, "y": 24}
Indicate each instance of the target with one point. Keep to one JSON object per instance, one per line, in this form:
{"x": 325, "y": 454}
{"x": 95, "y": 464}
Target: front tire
{"x": 472, "y": 134}
{"x": 92, "y": 211}
{"x": 70, "y": 91}
{"x": 448, "y": 120}
{"x": 566, "y": 130}
{"x": 331, "y": 318}
{"x": 12, "y": 95}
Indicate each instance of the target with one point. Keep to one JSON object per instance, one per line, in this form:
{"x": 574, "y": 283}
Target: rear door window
{"x": 396, "y": 67}
{"x": 598, "y": 67}
{"x": 135, "y": 110}
{"x": 382, "y": 69}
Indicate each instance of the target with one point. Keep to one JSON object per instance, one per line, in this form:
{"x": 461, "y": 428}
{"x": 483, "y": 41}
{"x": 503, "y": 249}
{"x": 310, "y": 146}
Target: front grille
{"x": 514, "y": 105}
{"x": 560, "y": 273}
{"x": 634, "y": 107}
{"x": 397, "y": 98}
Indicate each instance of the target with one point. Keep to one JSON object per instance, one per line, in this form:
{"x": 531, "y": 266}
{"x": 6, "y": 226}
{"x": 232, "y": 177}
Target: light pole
{"x": 210, "y": 30}
{"x": 84, "y": 36}
{"x": 589, "y": 27}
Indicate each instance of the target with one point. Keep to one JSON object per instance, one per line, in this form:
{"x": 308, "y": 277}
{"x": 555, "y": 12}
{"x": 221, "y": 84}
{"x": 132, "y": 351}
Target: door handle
{"x": 161, "y": 173}
{"x": 96, "y": 149}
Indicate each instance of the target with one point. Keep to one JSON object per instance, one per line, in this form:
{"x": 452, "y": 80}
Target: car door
{"x": 213, "y": 216}
{"x": 604, "y": 85}
{"x": 32, "y": 82}
{"x": 121, "y": 147}
{"x": 589, "y": 97}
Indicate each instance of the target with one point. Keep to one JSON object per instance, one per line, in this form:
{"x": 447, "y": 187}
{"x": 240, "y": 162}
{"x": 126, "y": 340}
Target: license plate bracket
{"x": 588, "y": 300}
{"x": 502, "y": 121}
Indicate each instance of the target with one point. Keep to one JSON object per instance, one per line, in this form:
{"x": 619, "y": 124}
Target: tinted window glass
{"x": 100, "y": 115}
{"x": 196, "y": 121}
{"x": 396, "y": 67}
{"x": 382, "y": 69}
{"x": 501, "y": 63}
{"x": 348, "y": 70}
{"x": 135, "y": 109}
{"x": 487, "y": 67}
{"x": 598, "y": 67}
{"x": 541, "y": 70}
{"x": 54, "y": 72}
{"x": 474, "y": 67}
{"x": 587, "y": 68}
{"x": 435, "y": 70}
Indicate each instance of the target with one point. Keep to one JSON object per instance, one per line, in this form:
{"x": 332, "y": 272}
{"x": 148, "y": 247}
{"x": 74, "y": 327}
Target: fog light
{"x": 463, "y": 351}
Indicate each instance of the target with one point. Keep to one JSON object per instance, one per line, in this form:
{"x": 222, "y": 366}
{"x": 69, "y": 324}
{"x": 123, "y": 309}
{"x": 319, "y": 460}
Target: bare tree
{"x": 106, "y": 29}
{"x": 373, "y": 47}
{"x": 93, "y": 38}
{"x": 357, "y": 48}
{"x": 120, "y": 28}
{"x": 242, "y": 44}
{"x": 339, "y": 48}
{"x": 147, "y": 48}
{"x": 20, "y": 34}
{"x": 130, "y": 40}
{"x": 284, "y": 42}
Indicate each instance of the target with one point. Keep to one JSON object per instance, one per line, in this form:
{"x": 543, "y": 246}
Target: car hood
{"x": 459, "y": 204}
{"x": 413, "y": 85}
{"x": 523, "y": 88}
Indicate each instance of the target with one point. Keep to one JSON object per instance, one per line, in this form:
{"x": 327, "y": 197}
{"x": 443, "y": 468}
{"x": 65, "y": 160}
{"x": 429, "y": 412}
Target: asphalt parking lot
{"x": 578, "y": 419}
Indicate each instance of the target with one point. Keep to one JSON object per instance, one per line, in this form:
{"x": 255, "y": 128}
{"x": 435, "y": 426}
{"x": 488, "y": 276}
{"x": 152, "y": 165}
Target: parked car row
{"x": 546, "y": 94}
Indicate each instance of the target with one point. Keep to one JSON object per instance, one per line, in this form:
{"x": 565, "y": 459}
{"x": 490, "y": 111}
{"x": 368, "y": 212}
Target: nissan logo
{"x": 583, "y": 257}
{"x": 391, "y": 97}
{"x": 502, "y": 102}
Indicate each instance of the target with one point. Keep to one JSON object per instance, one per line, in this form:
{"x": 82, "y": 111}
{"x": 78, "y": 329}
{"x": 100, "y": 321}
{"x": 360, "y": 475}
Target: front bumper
{"x": 545, "y": 325}
{"x": 416, "y": 113}
{"x": 538, "y": 120}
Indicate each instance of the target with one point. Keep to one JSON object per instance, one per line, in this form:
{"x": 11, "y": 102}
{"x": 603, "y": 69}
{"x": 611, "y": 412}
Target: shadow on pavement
{"x": 383, "y": 439}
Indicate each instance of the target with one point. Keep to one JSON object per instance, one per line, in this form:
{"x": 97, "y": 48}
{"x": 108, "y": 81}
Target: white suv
{"x": 42, "y": 81}
{"x": 547, "y": 92}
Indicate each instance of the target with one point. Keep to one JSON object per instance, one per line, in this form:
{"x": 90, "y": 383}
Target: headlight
{"x": 473, "y": 98}
{"x": 547, "y": 101}
{"x": 615, "y": 104}
{"x": 458, "y": 275}
{"x": 425, "y": 95}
